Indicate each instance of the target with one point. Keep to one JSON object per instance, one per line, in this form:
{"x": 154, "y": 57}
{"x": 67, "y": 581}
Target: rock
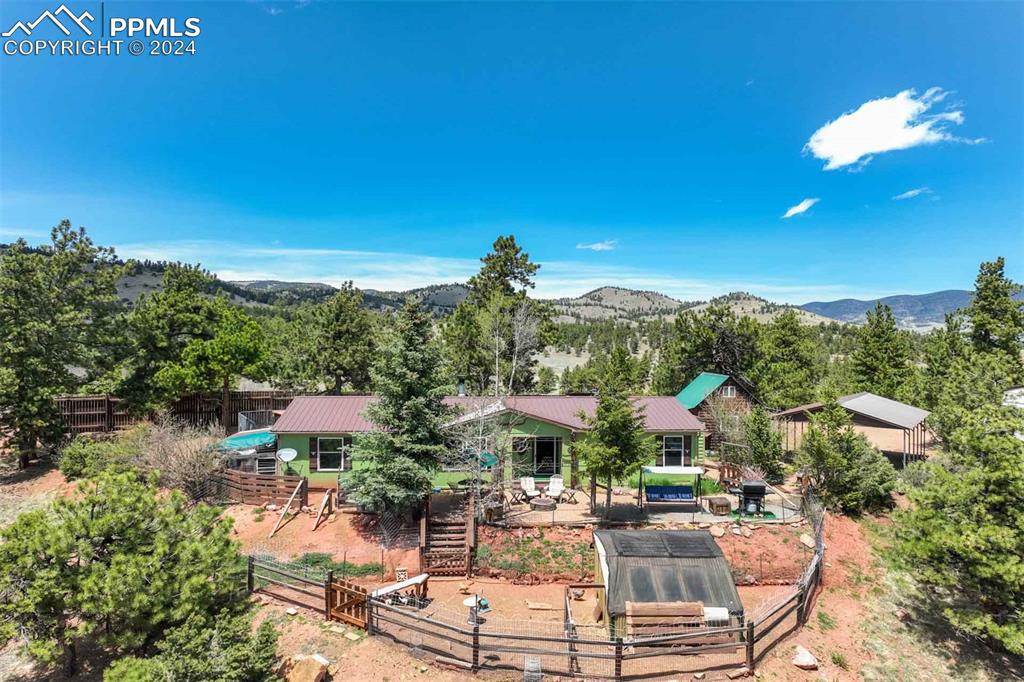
{"x": 717, "y": 531}
{"x": 704, "y": 524}
{"x": 806, "y": 540}
{"x": 746, "y": 532}
{"x": 272, "y": 507}
{"x": 307, "y": 669}
{"x": 337, "y": 629}
{"x": 804, "y": 659}
{"x": 463, "y": 588}
{"x": 423, "y": 668}
{"x": 320, "y": 659}
{"x": 736, "y": 531}
{"x": 577, "y": 594}
{"x": 292, "y": 612}
{"x": 351, "y": 636}
{"x": 699, "y": 676}
{"x": 902, "y": 615}
{"x": 738, "y": 673}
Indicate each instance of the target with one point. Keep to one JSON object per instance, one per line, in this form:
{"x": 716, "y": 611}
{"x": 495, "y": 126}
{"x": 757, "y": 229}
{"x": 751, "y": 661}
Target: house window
{"x": 673, "y": 451}
{"x": 727, "y": 391}
{"x": 333, "y": 453}
{"x": 266, "y": 465}
{"x": 541, "y": 455}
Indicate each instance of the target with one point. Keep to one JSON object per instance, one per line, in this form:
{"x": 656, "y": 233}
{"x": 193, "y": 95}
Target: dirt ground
{"x": 866, "y": 624}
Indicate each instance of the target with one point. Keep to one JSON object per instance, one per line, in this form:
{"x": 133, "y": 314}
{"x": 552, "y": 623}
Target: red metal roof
{"x": 344, "y": 413}
{"x": 325, "y": 414}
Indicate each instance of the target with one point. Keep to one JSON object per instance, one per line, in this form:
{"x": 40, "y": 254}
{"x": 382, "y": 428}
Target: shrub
{"x": 225, "y": 650}
{"x": 326, "y": 562}
{"x": 89, "y": 456}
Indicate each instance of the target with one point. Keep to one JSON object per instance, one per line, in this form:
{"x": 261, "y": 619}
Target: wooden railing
{"x": 248, "y": 488}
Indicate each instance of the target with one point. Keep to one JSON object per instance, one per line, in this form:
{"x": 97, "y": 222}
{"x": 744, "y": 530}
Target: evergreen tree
{"x": 159, "y": 328}
{"x": 507, "y": 270}
{"x": 464, "y": 350}
{"x": 409, "y": 414}
{"x": 713, "y": 340}
{"x": 848, "y": 473}
{"x": 546, "y": 382}
{"x": 236, "y": 348}
{"x": 996, "y": 317}
{"x": 117, "y": 565}
{"x": 224, "y": 650}
{"x": 345, "y": 341}
{"x": 765, "y": 443}
{"x": 616, "y": 443}
{"x": 293, "y": 337}
{"x": 789, "y": 367}
{"x": 964, "y": 535}
{"x": 881, "y": 360}
{"x": 56, "y": 308}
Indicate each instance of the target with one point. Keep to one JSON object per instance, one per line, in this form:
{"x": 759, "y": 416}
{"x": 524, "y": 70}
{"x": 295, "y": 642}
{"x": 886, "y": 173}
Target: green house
{"x": 538, "y": 433}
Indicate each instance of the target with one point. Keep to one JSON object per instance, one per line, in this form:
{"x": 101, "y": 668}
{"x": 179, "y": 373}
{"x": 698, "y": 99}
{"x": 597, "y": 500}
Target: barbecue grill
{"x": 751, "y": 494}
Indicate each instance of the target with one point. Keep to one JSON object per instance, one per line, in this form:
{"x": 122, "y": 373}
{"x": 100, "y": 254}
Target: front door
{"x": 547, "y": 456}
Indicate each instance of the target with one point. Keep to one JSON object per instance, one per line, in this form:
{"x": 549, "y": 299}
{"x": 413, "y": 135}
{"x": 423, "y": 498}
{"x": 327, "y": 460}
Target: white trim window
{"x": 727, "y": 391}
{"x": 672, "y": 452}
{"x": 332, "y": 452}
{"x": 266, "y": 465}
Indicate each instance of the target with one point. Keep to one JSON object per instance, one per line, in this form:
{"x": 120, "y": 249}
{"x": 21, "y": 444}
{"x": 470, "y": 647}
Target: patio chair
{"x": 529, "y": 487}
{"x": 556, "y": 487}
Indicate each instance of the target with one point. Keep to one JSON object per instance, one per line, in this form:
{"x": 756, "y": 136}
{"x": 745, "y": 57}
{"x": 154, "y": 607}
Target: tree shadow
{"x": 10, "y": 475}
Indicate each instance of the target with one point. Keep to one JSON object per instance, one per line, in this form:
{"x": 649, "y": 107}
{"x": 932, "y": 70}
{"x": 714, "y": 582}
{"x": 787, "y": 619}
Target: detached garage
{"x": 655, "y": 580}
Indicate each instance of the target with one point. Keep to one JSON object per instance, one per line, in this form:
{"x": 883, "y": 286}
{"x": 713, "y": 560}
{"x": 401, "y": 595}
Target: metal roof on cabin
{"x": 900, "y": 415}
{"x": 700, "y": 388}
{"x": 343, "y": 413}
{"x": 666, "y": 566}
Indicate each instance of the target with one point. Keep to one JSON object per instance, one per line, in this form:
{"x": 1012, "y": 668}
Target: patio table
{"x": 569, "y": 495}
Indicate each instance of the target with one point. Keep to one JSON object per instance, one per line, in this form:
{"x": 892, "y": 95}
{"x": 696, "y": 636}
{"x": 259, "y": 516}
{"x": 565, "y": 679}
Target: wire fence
{"x": 573, "y": 647}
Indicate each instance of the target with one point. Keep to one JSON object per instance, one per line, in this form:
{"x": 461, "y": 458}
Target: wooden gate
{"x": 347, "y": 602}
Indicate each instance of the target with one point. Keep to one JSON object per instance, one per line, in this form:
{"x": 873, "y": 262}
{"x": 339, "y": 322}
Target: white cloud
{"x": 606, "y": 245}
{"x": 883, "y": 125}
{"x": 911, "y": 193}
{"x": 802, "y": 207}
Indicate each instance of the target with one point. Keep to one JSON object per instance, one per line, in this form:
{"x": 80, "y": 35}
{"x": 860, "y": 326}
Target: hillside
{"x": 616, "y": 303}
{"x": 760, "y": 309}
{"x": 920, "y": 312}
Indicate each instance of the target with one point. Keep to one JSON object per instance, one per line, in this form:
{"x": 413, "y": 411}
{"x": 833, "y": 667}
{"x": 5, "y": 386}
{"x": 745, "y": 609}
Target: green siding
{"x": 523, "y": 427}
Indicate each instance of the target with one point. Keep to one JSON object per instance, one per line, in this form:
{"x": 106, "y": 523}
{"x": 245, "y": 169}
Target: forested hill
{"x": 922, "y": 311}
{"x": 609, "y": 303}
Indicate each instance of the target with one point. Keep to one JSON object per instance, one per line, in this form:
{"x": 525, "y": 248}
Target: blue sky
{"x": 390, "y": 143}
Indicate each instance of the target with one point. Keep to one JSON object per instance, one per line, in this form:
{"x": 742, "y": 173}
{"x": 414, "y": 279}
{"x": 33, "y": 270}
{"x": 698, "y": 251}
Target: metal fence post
{"x": 328, "y": 590}
{"x": 618, "y": 659}
{"x": 248, "y": 576}
{"x": 476, "y": 645}
{"x": 750, "y": 645}
{"x": 369, "y": 615}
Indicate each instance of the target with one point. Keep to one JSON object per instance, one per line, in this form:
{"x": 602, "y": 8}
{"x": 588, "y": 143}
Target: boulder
{"x": 717, "y": 531}
{"x": 806, "y": 540}
{"x": 307, "y": 669}
{"x": 804, "y": 659}
{"x": 746, "y": 532}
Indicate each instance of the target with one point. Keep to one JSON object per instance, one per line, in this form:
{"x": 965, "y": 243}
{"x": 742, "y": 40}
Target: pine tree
{"x": 236, "y": 348}
{"x": 881, "y": 360}
{"x": 713, "y": 340}
{"x": 996, "y": 317}
{"x": 117, "y": 565}
{"x": 616, "y": 443}
{"x": 507, "y": 270}
{"x": 159, "y": 328}
{"x": 410, "y": 417}
{"x": 789, "y": 367}
{"x": 765, "y": 443}
{"x": 57, "y": 304}
{"x": 964, "y": 536}
{"x": 345, "y": 341}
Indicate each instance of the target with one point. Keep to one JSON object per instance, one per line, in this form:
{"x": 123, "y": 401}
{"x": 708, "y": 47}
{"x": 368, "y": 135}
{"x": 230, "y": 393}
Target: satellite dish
{"x": 287, "y": 454}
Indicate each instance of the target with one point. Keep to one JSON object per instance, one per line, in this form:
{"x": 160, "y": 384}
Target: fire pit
{"x": 543, "y": 504}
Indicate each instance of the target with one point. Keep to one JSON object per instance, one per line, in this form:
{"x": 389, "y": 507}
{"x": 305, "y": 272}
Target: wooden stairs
{"x": 447, "y": 542}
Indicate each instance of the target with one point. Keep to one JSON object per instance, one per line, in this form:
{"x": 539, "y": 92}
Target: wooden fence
{"x": 105, "y": 413}
{"x": 346, "y": 602}
{"x": 231, "y": 485}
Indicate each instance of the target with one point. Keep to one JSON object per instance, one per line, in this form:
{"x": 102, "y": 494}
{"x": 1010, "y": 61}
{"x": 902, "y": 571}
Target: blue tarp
{"x": 245, "y": 440}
